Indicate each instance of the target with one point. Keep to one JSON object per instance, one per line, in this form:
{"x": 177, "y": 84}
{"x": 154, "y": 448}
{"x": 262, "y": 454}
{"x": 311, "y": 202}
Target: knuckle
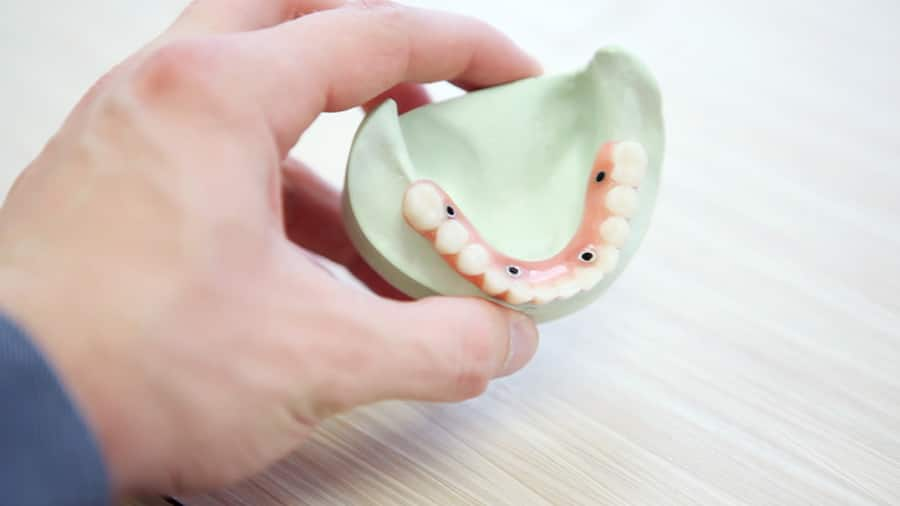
{"x": 389, "y": 14}
{"x": 340, "y": 376}
{"x": 377, "y": 4}
{"x": 471, "y": 383}
{"x": 389, "y": 26}
{"x": 331, "y": 397}
{"x": 179, "y": 66}
{"x": 478, "y": 354}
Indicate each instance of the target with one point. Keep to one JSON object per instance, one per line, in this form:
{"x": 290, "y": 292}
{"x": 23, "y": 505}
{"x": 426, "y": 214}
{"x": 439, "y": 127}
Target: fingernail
{"x": 523, "y": 342}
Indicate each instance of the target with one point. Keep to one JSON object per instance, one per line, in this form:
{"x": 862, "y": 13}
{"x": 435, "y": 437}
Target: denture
{"x": 611, "y": 199}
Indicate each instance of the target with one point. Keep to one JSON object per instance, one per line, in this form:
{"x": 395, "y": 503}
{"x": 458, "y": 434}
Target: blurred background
{"x": 750, "y": 354}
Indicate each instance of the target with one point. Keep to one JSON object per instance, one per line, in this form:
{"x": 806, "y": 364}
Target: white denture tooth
{"x": 629, "y": 163}
{"x": 451, "y": 237}
{"x": 423, "y": 207}
{"x": 519, "y": 293}
{"x": 473, "y": 260}
{"x": 615, "y": 230}
{"x": 545, "y": 294}
{"x": 622, "y": 201}
{"x": 588, "y": 277}
{"x": 495, "y": 282}
{"x": 607, "y": 259}
{"x": 568, "y": 288}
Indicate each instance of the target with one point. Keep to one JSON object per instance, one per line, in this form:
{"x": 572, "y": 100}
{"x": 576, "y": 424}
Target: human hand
{"x": 152, "y": 247}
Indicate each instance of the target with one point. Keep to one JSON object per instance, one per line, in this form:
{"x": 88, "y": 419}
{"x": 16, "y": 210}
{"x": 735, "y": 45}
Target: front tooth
{"x": 615, "y": 230}
{"x": 544, "y": 294}
{"x": 473, "y": 260}
{"x": 451, "y": 237}
{"x": 630, "y": 163}
{"x": 622, "y": 201}
{"x": 607, "y": 259}
{"x": 588, "y": 277}
{"x": 519, "y": 293}
{"x": 495, "y": 282}
{"x": 423, "y": 207}
{"x": 568, "y": 288}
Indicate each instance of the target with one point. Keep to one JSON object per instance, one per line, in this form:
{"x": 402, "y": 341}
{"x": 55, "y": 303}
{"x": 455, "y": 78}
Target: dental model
{"x": 611, "y": 200}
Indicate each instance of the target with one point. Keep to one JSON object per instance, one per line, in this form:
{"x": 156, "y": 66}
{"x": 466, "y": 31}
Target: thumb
{"x": 435, "y": 349}
{"x": 449, "y": 349}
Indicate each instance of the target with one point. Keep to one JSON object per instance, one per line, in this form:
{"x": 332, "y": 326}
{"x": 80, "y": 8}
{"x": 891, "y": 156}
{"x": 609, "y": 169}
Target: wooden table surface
{"x": 750, "y": 354}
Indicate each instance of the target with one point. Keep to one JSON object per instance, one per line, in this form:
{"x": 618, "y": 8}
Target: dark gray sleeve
{"x": 48, "y": 455}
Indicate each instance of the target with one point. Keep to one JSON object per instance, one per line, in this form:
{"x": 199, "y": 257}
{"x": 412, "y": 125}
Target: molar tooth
{"x": 607, "y": 259}
{"x": 630, "y": 163}
{"x": 423, "y": 207}
{"x": 451, "y": 238}
{"x": 622, "y": 201}
{"x": 473, "y": 260}
{"x": 544, "y": 294}
{"x": 588, "y": 277}
{"x": 519, "y": 293}
{"x": 495, "y": 282}
{"x": 615, "y": 230}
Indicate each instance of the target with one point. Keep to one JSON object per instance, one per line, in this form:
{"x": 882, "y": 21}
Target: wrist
{"x": 43, "y": 423}
{"x": 53, "y": 314}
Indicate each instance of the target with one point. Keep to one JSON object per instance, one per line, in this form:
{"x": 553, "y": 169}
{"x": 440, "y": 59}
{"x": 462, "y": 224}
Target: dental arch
{"x": 593, "y": 252}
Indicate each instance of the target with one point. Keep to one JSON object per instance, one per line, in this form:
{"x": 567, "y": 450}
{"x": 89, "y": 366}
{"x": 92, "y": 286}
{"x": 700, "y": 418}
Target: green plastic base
{"x": 515, "y": 158}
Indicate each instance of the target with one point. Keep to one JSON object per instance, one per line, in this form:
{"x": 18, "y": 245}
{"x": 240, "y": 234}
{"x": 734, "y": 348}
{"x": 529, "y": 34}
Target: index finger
{"x": 337, "y": 59}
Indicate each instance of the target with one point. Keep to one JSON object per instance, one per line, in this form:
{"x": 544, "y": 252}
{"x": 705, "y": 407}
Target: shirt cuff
{"x": 49, "y": 456}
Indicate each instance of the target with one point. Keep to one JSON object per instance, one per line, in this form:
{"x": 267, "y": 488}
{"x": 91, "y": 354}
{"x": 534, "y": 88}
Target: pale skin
{"x": 157, "y": 249}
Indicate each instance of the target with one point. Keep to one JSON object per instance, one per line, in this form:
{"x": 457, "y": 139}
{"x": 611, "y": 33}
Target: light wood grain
{"x": 751, "y": 353}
